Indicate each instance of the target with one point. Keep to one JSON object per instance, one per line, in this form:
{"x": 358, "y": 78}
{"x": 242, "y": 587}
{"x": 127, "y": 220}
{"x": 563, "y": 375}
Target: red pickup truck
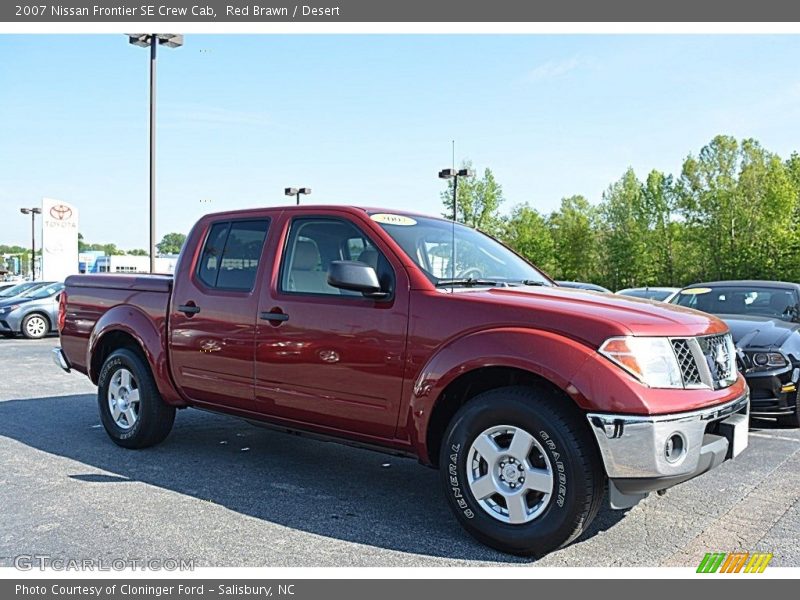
{"x": 364, "y": 326}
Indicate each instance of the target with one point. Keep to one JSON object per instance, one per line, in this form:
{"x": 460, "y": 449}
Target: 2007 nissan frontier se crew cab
{"x": 358, "y": 325}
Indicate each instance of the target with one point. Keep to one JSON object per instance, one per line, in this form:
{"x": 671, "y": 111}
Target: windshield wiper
{"x": 466, "y": 282}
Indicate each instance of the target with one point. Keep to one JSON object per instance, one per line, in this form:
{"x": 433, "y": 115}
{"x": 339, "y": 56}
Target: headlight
{"x": 650, "y": 359}
{"x": 8, "y": 309}
{"x": 768, "y": 360}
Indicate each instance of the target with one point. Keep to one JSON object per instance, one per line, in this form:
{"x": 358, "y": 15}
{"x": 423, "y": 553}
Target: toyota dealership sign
{"x": 59, "y": 239}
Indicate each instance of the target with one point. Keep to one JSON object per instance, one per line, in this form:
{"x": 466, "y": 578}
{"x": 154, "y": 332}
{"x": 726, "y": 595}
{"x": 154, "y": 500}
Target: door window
{"x": 314, "y": 243}
{"x": 231, "y": 254}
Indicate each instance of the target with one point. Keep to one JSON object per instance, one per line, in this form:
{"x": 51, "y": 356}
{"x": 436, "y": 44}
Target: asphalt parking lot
{"x": 225, "y": 493}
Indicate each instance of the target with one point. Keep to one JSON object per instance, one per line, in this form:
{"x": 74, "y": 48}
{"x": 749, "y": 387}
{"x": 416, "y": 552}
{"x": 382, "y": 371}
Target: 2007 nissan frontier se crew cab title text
{"x": 358, "y": 325}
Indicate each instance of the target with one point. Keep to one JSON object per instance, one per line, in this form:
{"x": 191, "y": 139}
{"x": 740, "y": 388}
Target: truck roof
{"x": 311, "y": 207}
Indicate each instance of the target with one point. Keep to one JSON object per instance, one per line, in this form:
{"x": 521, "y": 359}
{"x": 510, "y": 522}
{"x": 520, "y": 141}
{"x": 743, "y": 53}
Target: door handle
{"x": 273, "y": 316}
{"x": 189, "y": 309}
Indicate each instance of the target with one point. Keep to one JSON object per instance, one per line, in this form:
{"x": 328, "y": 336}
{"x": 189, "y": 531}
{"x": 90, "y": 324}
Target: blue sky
{"x": 368, "y": 119}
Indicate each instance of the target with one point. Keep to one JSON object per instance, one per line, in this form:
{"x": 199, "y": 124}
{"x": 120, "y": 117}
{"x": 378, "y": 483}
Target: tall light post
{"x": 455, "y": 175}
{"x": 296, "y": 192}
{"x": 153, "y": 41}
{"x": 32, "y": 212}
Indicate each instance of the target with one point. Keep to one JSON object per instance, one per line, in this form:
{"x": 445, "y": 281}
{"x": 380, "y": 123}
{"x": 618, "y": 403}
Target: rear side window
{"x": 231, "y": 253}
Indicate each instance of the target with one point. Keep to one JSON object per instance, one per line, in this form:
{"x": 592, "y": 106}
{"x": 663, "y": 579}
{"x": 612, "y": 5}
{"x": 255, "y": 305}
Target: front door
{"x": 327, "y": 357}
{"x": 213, "y": 315}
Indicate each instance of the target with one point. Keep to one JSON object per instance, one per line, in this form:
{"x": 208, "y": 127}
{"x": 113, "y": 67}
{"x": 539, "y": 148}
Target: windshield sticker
{"x": 388, "y": 219}
{"x": 694, "y": 291}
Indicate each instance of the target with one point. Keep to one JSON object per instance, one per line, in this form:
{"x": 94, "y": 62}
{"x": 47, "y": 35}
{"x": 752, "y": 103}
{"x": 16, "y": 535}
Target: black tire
{"x": 155, "y": 417}
{"x": 35, "y": 333}
{"x": 578, "y": 475}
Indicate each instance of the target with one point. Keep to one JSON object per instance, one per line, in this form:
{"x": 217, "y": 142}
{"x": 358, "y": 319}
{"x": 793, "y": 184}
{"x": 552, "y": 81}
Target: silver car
{"x": 34, "y": 313}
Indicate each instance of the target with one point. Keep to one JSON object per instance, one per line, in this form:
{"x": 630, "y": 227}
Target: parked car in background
{"x": 19, "y": 288}
{"x": 344, "y": 322}
{"x": 662, "y": 294}
{"x": 32, "y": 313}
{"x": 580, "y": 285}
{"x": 6, "y": 285}
{"x": 764, "y": 318}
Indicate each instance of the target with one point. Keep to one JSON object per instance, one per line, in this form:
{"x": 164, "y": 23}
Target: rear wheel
{"x": 131, "y": 409}
{"x": 520, "y": 470}
{"x": 35, "y": 326}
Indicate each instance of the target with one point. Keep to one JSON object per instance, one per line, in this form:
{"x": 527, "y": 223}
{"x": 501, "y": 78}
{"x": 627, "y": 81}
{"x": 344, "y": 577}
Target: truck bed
{"x": 90, "y": 297}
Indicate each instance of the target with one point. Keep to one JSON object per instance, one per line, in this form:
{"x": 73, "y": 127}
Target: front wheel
{"x": 131, "y": 409}
{"x": 520, "y": 470}
{"x": 35, "y": 326}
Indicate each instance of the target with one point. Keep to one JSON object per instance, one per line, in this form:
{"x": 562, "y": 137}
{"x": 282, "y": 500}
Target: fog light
{"x": 675, "y": 448}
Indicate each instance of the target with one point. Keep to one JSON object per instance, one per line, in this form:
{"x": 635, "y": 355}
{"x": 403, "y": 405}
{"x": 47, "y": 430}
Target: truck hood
{"x": 593, "y": 317}
{"x": 759, "y": 332}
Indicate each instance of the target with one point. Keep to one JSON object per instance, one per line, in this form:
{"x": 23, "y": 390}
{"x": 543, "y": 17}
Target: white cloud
{"x": 553, "y": 69}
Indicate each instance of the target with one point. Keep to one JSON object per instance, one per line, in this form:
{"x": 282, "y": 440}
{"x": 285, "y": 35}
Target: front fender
{"x": 551, "y": 356}
{"x": 136, "y": 323}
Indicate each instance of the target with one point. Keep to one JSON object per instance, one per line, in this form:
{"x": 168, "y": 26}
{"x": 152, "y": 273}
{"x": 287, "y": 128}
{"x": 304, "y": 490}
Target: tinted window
{"x": 44, "y": 292}
{"x": 757, "y": 301}
{"x": 15, "y": 290}
{"x": 314, "y": 243}
{"x": 231, "y": 254}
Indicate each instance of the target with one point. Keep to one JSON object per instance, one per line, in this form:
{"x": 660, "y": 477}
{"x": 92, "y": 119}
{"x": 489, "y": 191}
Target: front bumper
{"x": 773, "y": 393}
{"x": 642, "y": 454}
{"x": 9, "y": 323}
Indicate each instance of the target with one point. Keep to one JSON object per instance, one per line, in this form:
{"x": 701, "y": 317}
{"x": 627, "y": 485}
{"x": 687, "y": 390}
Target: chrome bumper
{"x": 61, "y": 359}
{"x": 672, "y": 447}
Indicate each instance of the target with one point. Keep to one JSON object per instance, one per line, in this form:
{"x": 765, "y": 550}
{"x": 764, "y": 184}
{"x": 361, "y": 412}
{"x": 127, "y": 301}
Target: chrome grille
{"x": 708, "y": 361}
{"x": 718, "y": 357}
{"x": 688, "y": 365}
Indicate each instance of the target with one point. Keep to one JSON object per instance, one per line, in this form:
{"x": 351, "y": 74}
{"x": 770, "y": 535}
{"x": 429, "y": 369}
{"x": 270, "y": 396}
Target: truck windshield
{"x": 479, "y": 259}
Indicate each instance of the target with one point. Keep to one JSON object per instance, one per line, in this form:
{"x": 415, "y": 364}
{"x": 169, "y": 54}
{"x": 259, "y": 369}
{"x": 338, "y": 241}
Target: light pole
{"x": 32, "y": 212}
{"x": 296, "y": 192}
{"x": 152, "y": 41}
{"x": 454, "y": 175}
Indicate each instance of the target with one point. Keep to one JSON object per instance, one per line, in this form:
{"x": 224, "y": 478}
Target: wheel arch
{"x": 126, "y": 326}
{"x": 487, "y": 360}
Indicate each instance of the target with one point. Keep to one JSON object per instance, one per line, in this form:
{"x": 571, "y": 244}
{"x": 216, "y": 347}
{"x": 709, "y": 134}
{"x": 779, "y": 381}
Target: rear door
{"x": 213, "y": 314}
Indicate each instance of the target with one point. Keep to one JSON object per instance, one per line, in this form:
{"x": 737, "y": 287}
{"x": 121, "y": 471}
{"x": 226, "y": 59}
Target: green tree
{"x": 138, "y": 252}
{"x": 710, "y": 205}
{"x": 107, "y": 249}
{"x": 625, "y": 228}
{"x": 479, "y": 201}
{"x": 171, "y": 243}
{"x": 527, "y": 232}
{"x": 574, "y": 230}
{"x": 665, "y": 230}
